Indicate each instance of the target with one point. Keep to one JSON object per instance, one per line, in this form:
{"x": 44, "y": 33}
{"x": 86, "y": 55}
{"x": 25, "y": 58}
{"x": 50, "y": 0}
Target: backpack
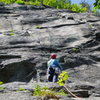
{"x": 57, "y": 70}
{"x": 54, "y": 70}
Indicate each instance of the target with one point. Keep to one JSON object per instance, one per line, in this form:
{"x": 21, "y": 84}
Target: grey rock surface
{"x": 29, "y": 34}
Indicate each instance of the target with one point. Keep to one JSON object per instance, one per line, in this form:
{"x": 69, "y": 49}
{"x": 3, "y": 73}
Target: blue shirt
{"x": 54, "y": 63}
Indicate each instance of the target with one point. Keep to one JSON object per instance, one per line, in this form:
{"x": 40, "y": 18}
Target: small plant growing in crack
{"x": 1, "y": 83}
{"x": 75, "y": 49}
{"x": 1, "y": 88}
{"x": 37, "y": 26}
{"x": 21, "y": 89}
{"x": 46, "y": 93}
{"x": 11, "y": 33}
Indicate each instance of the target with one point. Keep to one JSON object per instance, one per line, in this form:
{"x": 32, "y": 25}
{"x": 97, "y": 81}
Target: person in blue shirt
{"x": 54, "y": 68}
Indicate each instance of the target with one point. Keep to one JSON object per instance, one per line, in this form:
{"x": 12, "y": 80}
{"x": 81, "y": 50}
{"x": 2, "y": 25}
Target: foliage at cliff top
{"x": 59, "y": 4}
{"x": 97, "y": 4}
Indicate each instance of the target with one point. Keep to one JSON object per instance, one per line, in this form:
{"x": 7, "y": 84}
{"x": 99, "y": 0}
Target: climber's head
{"x": 53, "y": 56}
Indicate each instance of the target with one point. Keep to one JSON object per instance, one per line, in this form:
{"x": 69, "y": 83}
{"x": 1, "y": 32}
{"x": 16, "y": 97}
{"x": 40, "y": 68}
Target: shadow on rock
{"x": 21, "y": 71}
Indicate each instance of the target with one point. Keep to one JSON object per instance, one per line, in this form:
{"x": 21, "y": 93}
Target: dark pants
{"x": 50, "y": 78}
{"x": 53, "y": 77}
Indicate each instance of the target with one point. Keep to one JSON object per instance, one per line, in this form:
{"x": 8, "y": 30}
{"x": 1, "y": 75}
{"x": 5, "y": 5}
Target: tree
{"x": 68, "y": 1}
{"x": 97, "y": 4}
{"x": 85, "y": 4}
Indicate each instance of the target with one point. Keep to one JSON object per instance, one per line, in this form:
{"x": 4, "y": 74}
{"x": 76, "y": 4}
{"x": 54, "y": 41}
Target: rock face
{"x": 29, "y": 34}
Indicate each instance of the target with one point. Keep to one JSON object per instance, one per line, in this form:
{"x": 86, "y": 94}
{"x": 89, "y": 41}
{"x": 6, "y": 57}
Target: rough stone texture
{"x": 29, "y": 34}
{"x": 12, "y": 91}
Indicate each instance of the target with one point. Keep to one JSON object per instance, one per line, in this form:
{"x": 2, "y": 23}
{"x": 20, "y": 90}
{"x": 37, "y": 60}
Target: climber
{"x": 54, "y": 69}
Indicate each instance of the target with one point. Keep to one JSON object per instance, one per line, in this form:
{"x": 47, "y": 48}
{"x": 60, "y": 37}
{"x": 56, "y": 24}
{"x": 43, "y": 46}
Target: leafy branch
{"x": 62, "y": 78}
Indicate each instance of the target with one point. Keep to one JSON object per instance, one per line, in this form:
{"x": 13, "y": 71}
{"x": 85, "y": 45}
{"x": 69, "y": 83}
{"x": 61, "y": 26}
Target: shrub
{"x": 67, "y": 6}
{"x": 97, "y": 4}
{"x": 11, "y": 34}
{"x": 29, "y": 3}
{"x": 86, "y": 5}
{"x": 20, "y": 2}
{"x": 21, "y": 89}
{"x": 62, "y": 78}
{"x": 84, "y": 9}
{"x": 2, "y": 88}
{"x": 7, "y": 1}
{"x": 59, "y": 4}
{"x": 37, "y": 90}
{"x": 46, "y": 92}
{"x": 1, "y": 83}
{"x": 33, "y": 2}
{"x": 78, "y": 8}
{"x": 36, "y": 3}
{"x": 38, "y": 26}
{"x": 75, "y": 50}
{"x": 52, "y": 3}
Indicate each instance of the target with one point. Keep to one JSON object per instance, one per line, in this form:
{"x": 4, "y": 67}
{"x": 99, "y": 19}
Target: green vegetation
{"x": 1, "y": 83}
{"x": 78, "y": 8}
{"x": 38, "y": 26}
{"x": 20, "y": 2}
{"x": 51, "y": 93}
{"x": 59, "y": 4}
{"x": 2, "y": 88}
{"x": 62, "y": 78}
{"x": 46, "y": 92}
{"x": 42, "y": 91}
{"x": 36, "y": 3}
{"x": 75, "y": 50}
{"x": 96, "y": 8}
{"x": 97, "y": 4}
{"x": 21, "y": 89}
{"x": 8, "y": 1}
{"x": 11, "y": 34}
{"x": 86, "y": 5}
